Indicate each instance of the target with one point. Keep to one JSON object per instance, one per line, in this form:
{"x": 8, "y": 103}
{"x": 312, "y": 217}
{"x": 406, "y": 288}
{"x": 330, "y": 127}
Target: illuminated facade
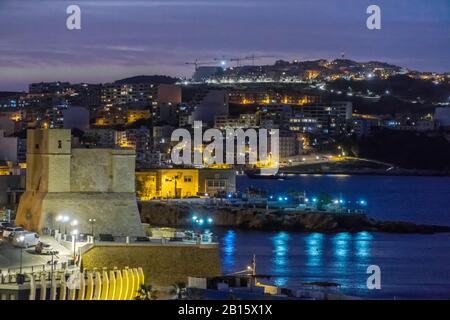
{"x": 182, "y": 183}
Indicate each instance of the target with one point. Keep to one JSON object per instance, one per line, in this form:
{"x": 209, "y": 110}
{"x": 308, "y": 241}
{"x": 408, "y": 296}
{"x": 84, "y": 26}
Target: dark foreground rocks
{"x": 180, "y": 215}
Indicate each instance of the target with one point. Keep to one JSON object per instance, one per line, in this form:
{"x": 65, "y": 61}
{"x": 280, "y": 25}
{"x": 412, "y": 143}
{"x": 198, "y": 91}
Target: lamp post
{"x": 21, "y": 239}
{"x": 92, "y": 221}
{"x": 59, "y": 219}
{"x": 74, "y": 223}
{"x": 64, "y": 220}
{"x": 74, "y": 240}
{"x": 20, "y": 279}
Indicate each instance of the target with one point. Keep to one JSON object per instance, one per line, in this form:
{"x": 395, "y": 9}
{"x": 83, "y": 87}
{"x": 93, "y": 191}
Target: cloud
{"x": 161, "y": 35}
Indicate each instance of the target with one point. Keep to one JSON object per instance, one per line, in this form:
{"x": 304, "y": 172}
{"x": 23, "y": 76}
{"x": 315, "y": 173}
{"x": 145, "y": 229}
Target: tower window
{"x": 59, "y": 144}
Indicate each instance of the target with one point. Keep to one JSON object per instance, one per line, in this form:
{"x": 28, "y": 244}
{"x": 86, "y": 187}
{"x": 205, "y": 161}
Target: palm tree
{"x": 146, "y": 292}
{"x": 178, "y": 289}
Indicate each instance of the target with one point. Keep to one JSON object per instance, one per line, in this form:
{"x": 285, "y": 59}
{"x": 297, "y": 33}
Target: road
{"x": 10, "y": 256}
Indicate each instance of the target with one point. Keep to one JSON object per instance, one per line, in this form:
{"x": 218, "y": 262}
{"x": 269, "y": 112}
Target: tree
{"x": 146, "y": 292}
{"x": 178, "y": 289}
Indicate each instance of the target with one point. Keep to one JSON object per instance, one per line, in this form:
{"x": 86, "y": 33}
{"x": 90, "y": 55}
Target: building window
{"x": 37, "y": 145}
{"x": 187, "y": 179}
{"x": 59, "y": 144}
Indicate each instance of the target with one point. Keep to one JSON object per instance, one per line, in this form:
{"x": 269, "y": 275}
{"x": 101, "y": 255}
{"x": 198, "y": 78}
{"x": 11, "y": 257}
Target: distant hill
{"x": 5, "y": 94}
{"x": 155, "y": 79}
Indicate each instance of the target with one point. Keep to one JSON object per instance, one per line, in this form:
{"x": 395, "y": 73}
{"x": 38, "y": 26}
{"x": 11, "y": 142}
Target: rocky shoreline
{"x": 180, "y": 215}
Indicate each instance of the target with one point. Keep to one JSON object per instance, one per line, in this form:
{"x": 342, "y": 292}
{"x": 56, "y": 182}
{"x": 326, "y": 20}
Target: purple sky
{"x": 121, "y": 38}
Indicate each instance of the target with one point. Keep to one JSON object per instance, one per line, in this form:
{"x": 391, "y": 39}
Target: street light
{"x": 64, "y": 220}
{"x": 92, "y": 221}
{"x": 59, "y": 219}
{"x": 21, "y": 239}
{"x": 74, "y": 239}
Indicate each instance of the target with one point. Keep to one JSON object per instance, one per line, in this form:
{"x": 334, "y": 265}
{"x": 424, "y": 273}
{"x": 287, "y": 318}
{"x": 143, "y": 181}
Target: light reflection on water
{"x": 228, "y": 248}
{"x": 280, "y": 265}
{"x": 413, "y": 266}
{"x": 314, "y": 251}
{"x": 294, "y": 258}
{"x": 341, "y": 249}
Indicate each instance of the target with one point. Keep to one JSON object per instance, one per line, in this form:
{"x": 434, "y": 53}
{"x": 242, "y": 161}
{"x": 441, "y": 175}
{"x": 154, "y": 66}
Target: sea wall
{"x": 163, "y": 265}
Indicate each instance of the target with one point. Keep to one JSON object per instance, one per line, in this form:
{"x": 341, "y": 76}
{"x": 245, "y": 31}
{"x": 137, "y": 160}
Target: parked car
{"x": 11, "y": 231}
{"x": 4, "y": 225}
{"x": 30, "y": 239}
{"x": 43, "y": 248}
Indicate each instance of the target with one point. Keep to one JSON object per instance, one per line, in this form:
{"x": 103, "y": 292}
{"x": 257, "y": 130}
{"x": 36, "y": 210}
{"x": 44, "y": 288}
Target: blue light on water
{"x": 363, "y": 246}
{"x": 229, "y": 248}
{"x": 314, "y": 252}
{"x": 280, "y": 259}
{"x": 341, "y": 250}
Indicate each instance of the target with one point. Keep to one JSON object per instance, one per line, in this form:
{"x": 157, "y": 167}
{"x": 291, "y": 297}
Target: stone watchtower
{"x": 79, "y": 183}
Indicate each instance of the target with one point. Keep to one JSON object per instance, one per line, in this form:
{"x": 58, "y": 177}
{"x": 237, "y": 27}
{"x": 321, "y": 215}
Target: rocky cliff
{"x": 180, "y": 215}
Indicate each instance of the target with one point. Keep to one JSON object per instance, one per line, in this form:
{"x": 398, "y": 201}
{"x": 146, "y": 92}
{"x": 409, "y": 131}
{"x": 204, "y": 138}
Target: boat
{"x": 257, "y": 174}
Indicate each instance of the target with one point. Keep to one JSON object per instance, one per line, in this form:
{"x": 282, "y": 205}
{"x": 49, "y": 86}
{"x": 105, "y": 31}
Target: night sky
{"x": 125, "y": 38}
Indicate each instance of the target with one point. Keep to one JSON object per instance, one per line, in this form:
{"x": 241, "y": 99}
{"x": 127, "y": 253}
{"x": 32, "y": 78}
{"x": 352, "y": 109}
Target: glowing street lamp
{"x": 74, "y": 240}
{"x": 64, "y": 220}
{"x": 92, "y": 221}
{"x": 59, "y": 219}
{"x": 21, "y": 239}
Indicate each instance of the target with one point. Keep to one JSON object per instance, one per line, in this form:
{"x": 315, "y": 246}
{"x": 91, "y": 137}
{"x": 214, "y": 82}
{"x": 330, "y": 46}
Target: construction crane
{"x": 196, "y": 63}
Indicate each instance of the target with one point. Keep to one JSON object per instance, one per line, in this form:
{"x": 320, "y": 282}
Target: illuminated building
{"x": 331, "y": 118}
{"x": 134, "y": 115}
{"x": 133, "y": 95}
{"x": 182, "y": 183}
{"x": 243, "y": 121}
